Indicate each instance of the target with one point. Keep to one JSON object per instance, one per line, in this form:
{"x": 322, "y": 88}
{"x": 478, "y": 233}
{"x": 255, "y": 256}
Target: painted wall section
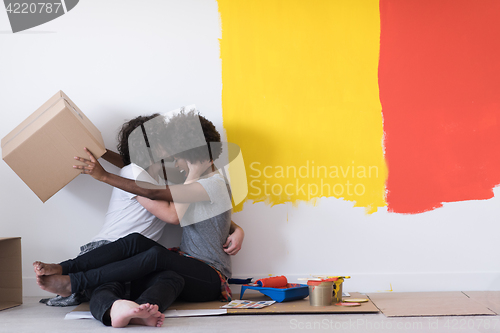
{"x": 300, "y": 96}
{"x": 439, "y": 82}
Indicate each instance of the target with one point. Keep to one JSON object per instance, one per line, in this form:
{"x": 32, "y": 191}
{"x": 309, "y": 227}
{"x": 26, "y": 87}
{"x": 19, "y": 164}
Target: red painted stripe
{"x": 439, "y": 78}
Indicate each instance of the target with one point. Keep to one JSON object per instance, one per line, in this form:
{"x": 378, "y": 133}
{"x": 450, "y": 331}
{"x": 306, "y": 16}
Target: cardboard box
{"x": 11, "y": 283}
{"x": 41, "y": 149}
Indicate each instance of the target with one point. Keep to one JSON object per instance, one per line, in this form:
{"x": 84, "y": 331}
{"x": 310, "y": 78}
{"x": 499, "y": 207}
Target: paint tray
{"x": 292, "y": 292}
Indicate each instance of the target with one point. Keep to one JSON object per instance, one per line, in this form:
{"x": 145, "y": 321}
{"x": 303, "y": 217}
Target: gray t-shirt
{"x": 204, "y": 240}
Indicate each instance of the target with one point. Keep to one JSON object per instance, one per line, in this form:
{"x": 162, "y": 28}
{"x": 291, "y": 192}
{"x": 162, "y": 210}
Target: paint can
{"x": 320, "y": 293}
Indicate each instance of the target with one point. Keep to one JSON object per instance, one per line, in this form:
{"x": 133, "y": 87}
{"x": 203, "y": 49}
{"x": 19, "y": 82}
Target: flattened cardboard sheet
{"x": 82, "y": 307}
{"x": 414, "y": 304}
{"x": 490, "y": 299}
{"x": 11, "y": 284}
{"x": 298, "y": 306}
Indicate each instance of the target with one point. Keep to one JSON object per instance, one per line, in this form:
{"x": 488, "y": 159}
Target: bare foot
{"x": 57, "y": 284}
{"x": 125, "y": 312}
{"x": 156, "y": 317}
{"x": 42, "y": 268}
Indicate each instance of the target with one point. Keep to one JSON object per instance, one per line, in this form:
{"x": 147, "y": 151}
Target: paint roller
{"x": 273, "y": 282}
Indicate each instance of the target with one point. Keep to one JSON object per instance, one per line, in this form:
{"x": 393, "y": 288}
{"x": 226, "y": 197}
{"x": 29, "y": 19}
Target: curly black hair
{"x": 182, "y": 131}
{"x": 125, "y": 131}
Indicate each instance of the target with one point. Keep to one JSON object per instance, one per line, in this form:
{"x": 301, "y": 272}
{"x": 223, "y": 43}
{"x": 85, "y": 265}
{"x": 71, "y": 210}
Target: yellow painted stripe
{"x": 300, "y": 97}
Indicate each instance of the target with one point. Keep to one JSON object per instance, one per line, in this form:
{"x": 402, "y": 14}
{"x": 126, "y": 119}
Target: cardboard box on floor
{"x": 11, "y": 284}
{"x": 41, "y": 149}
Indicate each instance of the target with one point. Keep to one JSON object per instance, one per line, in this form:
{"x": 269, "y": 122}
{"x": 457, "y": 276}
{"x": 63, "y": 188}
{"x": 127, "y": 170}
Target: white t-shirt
{"x": 126, "y": 215}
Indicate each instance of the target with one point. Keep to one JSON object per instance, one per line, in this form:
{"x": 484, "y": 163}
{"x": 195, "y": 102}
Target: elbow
{"x": 159, "y": 195}
{"x": 170, "y": 219}
{"x": 173, "y": 220}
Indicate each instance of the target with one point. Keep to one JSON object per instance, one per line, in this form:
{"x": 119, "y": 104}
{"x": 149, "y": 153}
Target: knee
{"x": 156, "y": 251}
{"x": 173, "y": 276}
{"x": 156, "y": 258}
{"x": 133, "y": 236}
{"x": 133, "y": 240}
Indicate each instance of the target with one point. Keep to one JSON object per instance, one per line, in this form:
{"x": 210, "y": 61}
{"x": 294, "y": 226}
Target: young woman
{"x": 197, "y": 272}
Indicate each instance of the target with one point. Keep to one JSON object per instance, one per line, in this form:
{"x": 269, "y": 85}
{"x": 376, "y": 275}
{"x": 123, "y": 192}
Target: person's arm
{"x": 194, "y": 173}
{"x": 234, "y": 240}
{"x": 113, "y": 158}
{"x": 163, "y": 210}
{"x": 233, "y": 227}
{"x": 173, "y": 212}
{"x": 193, "y": 192}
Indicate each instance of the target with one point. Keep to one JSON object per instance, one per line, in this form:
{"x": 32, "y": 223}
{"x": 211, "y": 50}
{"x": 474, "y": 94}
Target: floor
{"x": 35, "y": 317}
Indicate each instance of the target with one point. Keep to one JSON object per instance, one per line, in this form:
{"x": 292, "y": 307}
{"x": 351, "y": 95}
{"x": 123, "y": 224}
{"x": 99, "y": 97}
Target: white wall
{"x": 118, "y": 59}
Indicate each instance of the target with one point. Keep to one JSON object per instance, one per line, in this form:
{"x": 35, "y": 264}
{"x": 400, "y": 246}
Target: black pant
{"x": 161, "y": 288}
{"x": 135, "y": 256}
